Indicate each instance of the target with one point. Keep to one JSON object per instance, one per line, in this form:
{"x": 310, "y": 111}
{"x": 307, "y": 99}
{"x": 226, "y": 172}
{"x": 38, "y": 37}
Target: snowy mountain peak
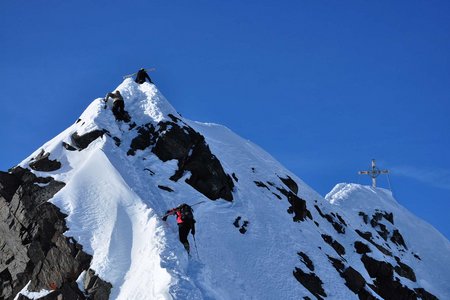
{"x": 261, "y": 232}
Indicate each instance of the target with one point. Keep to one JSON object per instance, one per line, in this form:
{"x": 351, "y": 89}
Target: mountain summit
{"x": 80, "y": 218}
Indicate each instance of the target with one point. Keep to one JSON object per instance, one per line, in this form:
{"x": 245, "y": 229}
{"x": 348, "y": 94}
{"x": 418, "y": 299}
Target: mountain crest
{"x": 82, "y": 217}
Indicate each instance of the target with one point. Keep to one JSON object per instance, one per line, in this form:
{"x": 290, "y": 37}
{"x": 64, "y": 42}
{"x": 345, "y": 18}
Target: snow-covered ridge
{"x": 275, "y": 233}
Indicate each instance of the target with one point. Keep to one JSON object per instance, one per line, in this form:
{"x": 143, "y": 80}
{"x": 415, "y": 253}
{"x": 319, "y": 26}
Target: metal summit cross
{"x": 373, "y": 173}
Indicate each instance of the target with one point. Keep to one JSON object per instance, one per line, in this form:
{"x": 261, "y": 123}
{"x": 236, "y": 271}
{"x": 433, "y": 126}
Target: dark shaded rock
{"x": 383, "y": 232}
{"x": 193, "y": 154}
{"x": 425, "y": 295}
{"x": 42, "y": 163}
{"x": 243, "y": 228}
{"x": 145, "y": 138}
{"x": 338, "y": 264}
{"x": 364, "y": 216}
{"x": 117, "y": 141}
{"x": 95, "y": 287}
{"x": 336, "y": 225}
{"x": 261, "y": 184}
{"x": 341, "y": 219}
{"x": 235, "y": 177}
{"x": 397, "y": 238}
{"x": 306, "y": 260}
{"x": 404, "y": 270}
{"x": 276, "y": 195}
{"x": 298, "y": 206}
{"x": 384, "y": 284}
{"x": 83, "y": 141}
{"x": 68, "y": 146}
{"x": 354, "y": 280}
{"x": 33, "y": 247}
{"x": 368, "y": 237}
{"x": 334, "y": 244}
{"x": 8, "y": 185}
{"x": 311, "y": 282}
{"x": 165, "y": 188}
{"x": 290, "y": 183}
{"x": 236, "y": 222}
{"x": 361, "y": 248}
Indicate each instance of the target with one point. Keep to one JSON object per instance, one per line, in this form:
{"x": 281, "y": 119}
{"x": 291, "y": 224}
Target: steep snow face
{"x": 276, "y": 239}
{"x": 421, "y": 239}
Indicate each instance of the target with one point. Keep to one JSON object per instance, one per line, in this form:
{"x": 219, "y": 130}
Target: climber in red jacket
{"x": 186, "y": 222}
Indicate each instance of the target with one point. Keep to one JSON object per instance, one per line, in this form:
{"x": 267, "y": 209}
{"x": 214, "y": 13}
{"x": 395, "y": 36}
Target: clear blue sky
{"x": 324, "y": 86}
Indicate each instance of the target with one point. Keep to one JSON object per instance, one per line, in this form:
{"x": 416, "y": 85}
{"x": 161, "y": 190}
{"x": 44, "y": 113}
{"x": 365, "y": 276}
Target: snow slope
{"x": 114, "y": 205}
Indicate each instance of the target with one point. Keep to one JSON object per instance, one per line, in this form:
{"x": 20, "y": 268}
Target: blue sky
{"x": 324, "y": 86}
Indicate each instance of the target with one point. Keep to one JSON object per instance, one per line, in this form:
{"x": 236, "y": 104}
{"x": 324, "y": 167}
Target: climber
{"x": 186, "y": 223}
{"x": 141, "y": 76}
{"x": 118, "y": 105}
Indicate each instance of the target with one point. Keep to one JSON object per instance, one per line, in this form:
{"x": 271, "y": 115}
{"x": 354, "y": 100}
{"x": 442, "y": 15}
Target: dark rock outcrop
{"x": 368, "y": 237}
{"x": 385, "y": 284}
{"x": 404, "y": 270}
{"x": 193, "y": 154}
{"x": 361, "y": 248}
{"x": 334, "y": 244}
{"x": 165, "y": 188}
{"x": 397, "y": 239}
{"x": 42, "y": 163}
{"x": 290, "y": 183}
{"x": 353, "y": 280}
{"x": 95, "y": 287}
{"x": 298, "y": 206}
{"x": 306, "y": 260}
{"x": 145, "y": 138}
{"x": 83, "y": 141}
{"x": 337, "y": 225}
{"x": 33, "y": 247}
{"x": 311, "y": 282}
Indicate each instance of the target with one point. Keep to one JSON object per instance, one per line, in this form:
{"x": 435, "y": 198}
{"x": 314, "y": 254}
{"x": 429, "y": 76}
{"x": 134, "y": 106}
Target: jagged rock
{"x": 424, "y": 294}
{"x": 243, "y": 228}
{"x": 334, "y": 244}
{"x": 336, "y": 225}
{"x": 68, "y": 146}
{"x": 306, "y": 260}
{"x": 236, "y": 222}
{"x": 33, "y": 247}
{"x": 397, "y": 238}
{"x": 337, "y": 264}
{"x": 42, "y": 163}
{"x": 193, "y": 154}
{"x": 361, "y": 248}
{"x": 298, "y": 206}
{"x": 235, "y": 177}
{"x": 276, "y": 195}
{"x": 83, "y": 141}
{"x": 261, "y": 184}
{"x": 95, "y": 287}
{"x": 354, "y": 280}
{"x": 145, "y": 138}
{"x": 165, "y": 188}
{"x": 368, "y": 237}
{"x": 311, "y": 282}
{"x": 364, "y": 216}
{"x": 290, "y": 183}
{"x": 384, "y": 284}
{"x": 404, "y": 270}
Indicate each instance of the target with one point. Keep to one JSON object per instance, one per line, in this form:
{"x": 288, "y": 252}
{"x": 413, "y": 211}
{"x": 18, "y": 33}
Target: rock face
{"x": 176, "y": 140}
{"x": 33, "y": 247}
{"x": 43, "y": 163}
